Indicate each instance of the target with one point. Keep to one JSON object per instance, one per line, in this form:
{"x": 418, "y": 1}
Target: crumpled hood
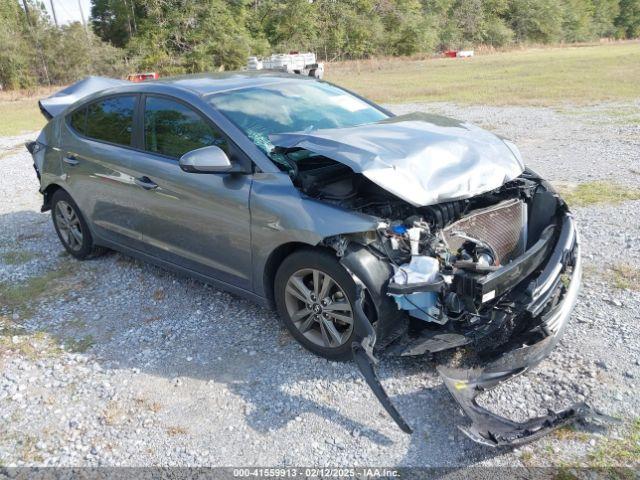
{"x": 423, "y": 159}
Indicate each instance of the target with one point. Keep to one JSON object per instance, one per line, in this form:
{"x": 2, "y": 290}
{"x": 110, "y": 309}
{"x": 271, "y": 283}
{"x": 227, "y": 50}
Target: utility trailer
{"x": 298, "y": 63}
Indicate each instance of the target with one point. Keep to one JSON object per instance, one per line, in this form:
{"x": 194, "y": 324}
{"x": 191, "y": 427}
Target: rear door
{"x": 198, "y": 221}
{"x": 97, "y": 151}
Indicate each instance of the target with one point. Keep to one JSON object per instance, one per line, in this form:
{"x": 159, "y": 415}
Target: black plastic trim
{"x": 549, "y": 276}
{"x": 513, "y": 273}
{"x": 409, "y": 288}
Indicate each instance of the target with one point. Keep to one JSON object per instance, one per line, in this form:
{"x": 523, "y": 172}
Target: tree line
{"x": 187, "y": 36}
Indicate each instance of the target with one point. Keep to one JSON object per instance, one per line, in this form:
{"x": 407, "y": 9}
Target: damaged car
{"x": 371, "y": 234}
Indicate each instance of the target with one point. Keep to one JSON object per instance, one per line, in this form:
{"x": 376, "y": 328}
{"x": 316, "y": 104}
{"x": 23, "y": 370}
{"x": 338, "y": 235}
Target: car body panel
{"x": 223, "y": 210}
{"x": 200, "y": 85}
{"x": 102, "y": 184}
{"x": 281, "y": 215}
{"x": 199, "y": 220}
{"x": 422, "y": 159}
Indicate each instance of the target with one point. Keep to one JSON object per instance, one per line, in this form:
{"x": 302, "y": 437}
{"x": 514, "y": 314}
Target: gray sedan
{"x": 368, "y": 232}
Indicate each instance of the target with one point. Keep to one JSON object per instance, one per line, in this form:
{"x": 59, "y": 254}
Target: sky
{"x": 68, "y": 11}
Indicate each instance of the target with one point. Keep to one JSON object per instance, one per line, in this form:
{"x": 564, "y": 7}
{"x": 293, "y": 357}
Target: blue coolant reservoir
{"x": 421, "y": 269}
{"x": 420, "y": 305}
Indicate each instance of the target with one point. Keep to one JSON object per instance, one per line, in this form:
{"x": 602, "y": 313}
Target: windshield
{"x": 292, "y": 106}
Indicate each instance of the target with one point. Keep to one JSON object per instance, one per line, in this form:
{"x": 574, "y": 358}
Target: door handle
{"x": 146, "y": 183}
{"x": 71, "y": 160}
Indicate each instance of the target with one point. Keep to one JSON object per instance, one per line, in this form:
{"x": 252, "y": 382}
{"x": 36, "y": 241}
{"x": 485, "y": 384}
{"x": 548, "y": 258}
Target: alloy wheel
{"x": 319, "y": 308}
{"x": 68, "y": 223}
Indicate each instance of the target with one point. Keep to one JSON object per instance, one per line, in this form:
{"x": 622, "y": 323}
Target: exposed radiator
{"x": 503, "y": 227}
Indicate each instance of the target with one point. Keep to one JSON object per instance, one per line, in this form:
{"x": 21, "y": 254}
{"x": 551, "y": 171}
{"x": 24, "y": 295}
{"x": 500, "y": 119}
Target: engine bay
{"x": 458, "y": 266}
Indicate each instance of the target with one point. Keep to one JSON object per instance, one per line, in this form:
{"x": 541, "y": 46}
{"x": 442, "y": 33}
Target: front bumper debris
{"x": 465, "y": 384}
{"x": 493, "y": 430}
{"x": 364, "y": 358}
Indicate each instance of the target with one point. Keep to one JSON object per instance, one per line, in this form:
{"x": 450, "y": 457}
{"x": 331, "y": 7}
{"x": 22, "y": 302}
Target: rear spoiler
{"x": 59, "y": 101}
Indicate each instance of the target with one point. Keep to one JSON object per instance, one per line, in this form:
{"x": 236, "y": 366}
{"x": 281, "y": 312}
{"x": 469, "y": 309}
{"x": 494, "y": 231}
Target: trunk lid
{"x": 59, "y": 101}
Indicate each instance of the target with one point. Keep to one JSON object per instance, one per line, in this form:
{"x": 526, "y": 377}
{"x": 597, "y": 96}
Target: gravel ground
{"x": 117, "y": 362}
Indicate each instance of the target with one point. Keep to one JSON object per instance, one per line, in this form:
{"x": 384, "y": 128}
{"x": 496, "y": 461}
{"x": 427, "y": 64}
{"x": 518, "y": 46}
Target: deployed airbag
{"x": 422, "y": 159}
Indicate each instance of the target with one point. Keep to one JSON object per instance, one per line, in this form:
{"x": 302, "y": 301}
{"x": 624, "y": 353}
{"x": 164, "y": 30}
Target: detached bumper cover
{"x": 466, "y": 384}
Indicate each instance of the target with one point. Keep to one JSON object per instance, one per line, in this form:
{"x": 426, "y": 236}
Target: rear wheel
{"x": 314, "y": 295}
{"x": 71, "y": 227}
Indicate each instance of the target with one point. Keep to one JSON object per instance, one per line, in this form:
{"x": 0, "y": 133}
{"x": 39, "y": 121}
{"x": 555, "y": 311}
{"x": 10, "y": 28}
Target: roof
{"x": 210, "y": 83}
{"x": 200, "y": 84}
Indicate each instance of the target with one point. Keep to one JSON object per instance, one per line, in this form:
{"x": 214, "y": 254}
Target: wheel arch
{"x": 47, "y": 195}
{"x": 274, "y": 261}
{"x": 283, "y": 251}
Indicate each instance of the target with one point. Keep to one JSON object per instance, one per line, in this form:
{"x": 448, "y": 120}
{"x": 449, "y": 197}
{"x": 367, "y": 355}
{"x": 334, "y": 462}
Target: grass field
{"x": 592, "y": 193}
{"x": 19, "y": 116}
{"x": 553, "y": 76}
{"x": 19, "y": 112}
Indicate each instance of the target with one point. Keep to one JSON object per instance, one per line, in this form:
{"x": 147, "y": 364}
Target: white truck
{"x": 299, "y": 63}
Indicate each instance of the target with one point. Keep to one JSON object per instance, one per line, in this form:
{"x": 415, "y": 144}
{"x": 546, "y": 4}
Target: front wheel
{"x": 314, "y": 296}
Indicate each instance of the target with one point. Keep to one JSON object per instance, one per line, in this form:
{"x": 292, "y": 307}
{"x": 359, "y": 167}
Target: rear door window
{"x": 78, "y": 120}
{"x": 173, "y": 129}
{"x": 111, "y": 120}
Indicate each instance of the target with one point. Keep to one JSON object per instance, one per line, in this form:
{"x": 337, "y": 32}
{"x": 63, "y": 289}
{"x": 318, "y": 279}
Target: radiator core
{"x": 503, "y": 227}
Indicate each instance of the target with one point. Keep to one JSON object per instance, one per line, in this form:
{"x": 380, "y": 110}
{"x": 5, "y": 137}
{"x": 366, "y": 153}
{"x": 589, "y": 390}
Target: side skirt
{"x": 262, "y": 301}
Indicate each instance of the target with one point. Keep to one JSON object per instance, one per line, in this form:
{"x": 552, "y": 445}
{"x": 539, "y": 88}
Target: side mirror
{"x": 210, "y": 159}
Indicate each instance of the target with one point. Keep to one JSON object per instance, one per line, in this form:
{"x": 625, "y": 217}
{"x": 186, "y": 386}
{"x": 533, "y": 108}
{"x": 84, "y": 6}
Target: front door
{"x": 198, "y": 221}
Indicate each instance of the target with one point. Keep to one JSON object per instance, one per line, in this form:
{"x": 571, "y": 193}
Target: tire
{"x": 71, "y": 227}
{"x": 330, "y": 303}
